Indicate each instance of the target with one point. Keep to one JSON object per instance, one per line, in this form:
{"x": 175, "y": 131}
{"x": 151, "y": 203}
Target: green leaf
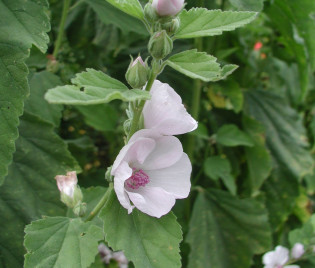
{"x": 251, "y": 5}
{"x": 226, "y": 232}
{"x": 231, "y": 135}
{"x": 285, "y": 134}
{"x": 30, "y": 190}
{"x": 23, "y": 24}
{"x": 281, "y": 190}
{"x": 61, "y": 242}
{"x": 217, "y": 167}
{"x": 304, "y": 235}
{"x": 98, "y": 88}
{"x": 108, "y": 14}
{"x": 199, "y": 22}
{"x": 146, "y": 241}
{"x": 36, "y": 105}
{"x": 199, "y": 65}
{"x": 131, "y": 7}
{"x": 258, "y": 158}
{"x": 102, "y": 117}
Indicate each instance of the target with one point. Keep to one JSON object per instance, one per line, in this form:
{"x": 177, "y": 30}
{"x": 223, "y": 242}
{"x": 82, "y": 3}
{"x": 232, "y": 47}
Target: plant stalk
{"x": 65, "y": 10}
{"x": 101, "y": 203}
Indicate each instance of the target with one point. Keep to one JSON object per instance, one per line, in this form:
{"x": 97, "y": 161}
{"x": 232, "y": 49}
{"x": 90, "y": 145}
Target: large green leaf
{"x": 285, "y": 133}
{"x": 146, "y": 241}
{"x": 22, "y": 24}
{"x": 61, "y": 242}
{"x": 225, "y": 232}
{"x": 258, "y": 158}
{"x": 98, "y": 88}
{"x": 281, "y": 190}
{"x": 199, "y": 22}
{"x": 30, "y": 190}
{"x": 131, "y": 7}
{"x": 108, "y": 14}
{"x": 304, "y": 235}
{"x": 199, "y": 65}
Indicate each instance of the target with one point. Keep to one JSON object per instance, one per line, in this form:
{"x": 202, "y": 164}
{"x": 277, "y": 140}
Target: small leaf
{"x": 146, "y": 241}
{"x": 304, "y": 235}
{"x": 98, "y": 88}
{"x": 217, "y": 167}
{"x": 131, "y": 7}
{"x": 231, "y": 135}
{"x": 61, "y": 242}
{"x": 225, "y": 231}
{"x": 198, "y": 22}
{"x": 196, "y": 65}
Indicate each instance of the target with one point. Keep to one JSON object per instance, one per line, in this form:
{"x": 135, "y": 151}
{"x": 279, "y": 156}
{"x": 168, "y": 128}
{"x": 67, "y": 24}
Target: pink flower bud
{"x": 66, "y": 184}
{"x": 297, "y": 251}
{"x": 138, "y": 59}
{"x": 168, "y": 7}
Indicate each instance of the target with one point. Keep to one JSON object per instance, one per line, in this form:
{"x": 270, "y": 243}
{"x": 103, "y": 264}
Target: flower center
{"x": 137, "y": 179}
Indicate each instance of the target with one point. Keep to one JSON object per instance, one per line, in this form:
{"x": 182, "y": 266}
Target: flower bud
{"x": 150, "y": 13}
{"x": 80, "y": 209}
{"x": 297, "y": 251}
{"x": 70, "y": 192}
{"x": 138, "y": 73}
{"x": 168, "y": 7}
{"x": 172, "y": 26}
{"x": 160, "y": 45}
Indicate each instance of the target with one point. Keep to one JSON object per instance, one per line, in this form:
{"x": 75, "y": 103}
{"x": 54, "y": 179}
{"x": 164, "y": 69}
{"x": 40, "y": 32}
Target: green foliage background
{"x": 252, "y": 154}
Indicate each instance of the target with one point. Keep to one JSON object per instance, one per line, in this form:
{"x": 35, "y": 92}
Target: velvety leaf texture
{"x": 61, "y": 242}
{"x": 251, "y": 5}
{"x": 231, "y": 135}
{"x": 285, "y": 133}
{"x": 98, "y": 88}
{"x": 224, "y": 232}
{"x": 146, "y": 241}
{"x": 30, "y": 190}
{"x": 131, "y": 7}
{"x": 109, "y": 14}
{"x": 198, "y": 22}
{"x": 22, "y": 24}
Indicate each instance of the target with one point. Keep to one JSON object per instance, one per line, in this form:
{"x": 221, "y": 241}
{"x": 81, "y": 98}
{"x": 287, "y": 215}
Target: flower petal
{"x": 165, "y": 112}
{"x": 282, "y": 254}
{"x": 122, "y": 173}
{"x": 153, "y": 201}
{"x": 168, "y": 151}
{"x": 136, "y": 151}
{"x": 174, "y": 179}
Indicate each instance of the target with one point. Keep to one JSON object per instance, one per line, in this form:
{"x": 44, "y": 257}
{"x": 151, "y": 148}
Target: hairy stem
{"x": 138, "y": 109}
{"x": 65, "y": 10}
{"x": 101, "y": 203}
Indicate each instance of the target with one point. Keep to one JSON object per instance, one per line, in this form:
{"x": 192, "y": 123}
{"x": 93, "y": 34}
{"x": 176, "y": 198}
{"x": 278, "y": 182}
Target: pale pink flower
{"x": 165, "y": 112}
{"x": 277, "y": 258}
{"x": 107, "y": 255}
{"x": 67, "y": 183}
{"x": 168, "y": 7}
{"x": 297, "y": 251}
{"x": 151, "y": 171}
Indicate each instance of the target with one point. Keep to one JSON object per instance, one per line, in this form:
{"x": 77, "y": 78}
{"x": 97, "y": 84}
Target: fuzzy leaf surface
{"x": 98, "y": 88}
{"x": 22, "y": 24}
{"x": 225, "y": 231}
{"x": 146, "y": 241}
{"x": 61, "y": 242}
{"x": 131, "y": 7}
{"x": 198, "y": 22}
{"x": 285, "y": 134}
{"x": 231, "y": 135}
